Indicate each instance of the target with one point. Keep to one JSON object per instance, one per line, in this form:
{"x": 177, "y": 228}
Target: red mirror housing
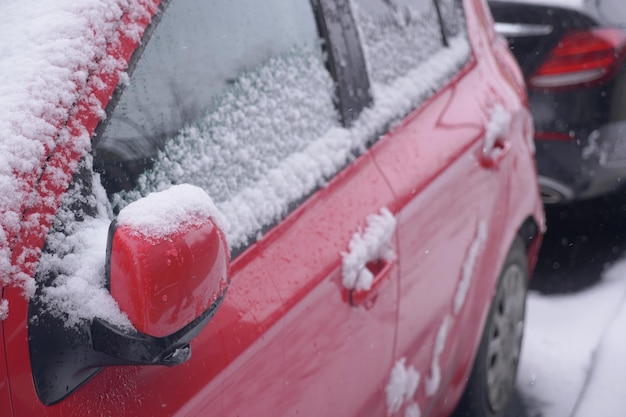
{"x": 169, "y": 263}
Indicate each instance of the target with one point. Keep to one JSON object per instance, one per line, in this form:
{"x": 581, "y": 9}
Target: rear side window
{"x": 452, "y": 17}
{"x": 400, "y": 35}
{"x": 223, "y": 93}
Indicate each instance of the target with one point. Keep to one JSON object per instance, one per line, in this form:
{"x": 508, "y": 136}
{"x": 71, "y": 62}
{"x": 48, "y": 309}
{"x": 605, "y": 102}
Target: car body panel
{"x": 286, "y": 325}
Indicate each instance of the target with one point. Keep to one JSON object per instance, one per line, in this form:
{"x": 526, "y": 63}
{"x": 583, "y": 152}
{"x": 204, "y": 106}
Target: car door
{"x": 246, "y": 111}
{"x": 445, "y": 163}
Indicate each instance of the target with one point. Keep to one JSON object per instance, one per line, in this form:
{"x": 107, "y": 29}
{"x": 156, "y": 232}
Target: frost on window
{"x": 268, "y": 114}
{"x": 197, "y": 54}
{"x": 452, "y": 17}
{"x": 222, "y": 95}
{"x": 399, "y": 35}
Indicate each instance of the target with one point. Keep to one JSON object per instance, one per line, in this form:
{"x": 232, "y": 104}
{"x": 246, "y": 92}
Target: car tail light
{"x": 554, "y": 136}
{"x": 581, "y": 58}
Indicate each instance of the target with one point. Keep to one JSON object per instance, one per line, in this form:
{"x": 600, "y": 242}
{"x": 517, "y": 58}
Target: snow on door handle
{"x": 381, "y": 271}
{"x": 492, "y": 156}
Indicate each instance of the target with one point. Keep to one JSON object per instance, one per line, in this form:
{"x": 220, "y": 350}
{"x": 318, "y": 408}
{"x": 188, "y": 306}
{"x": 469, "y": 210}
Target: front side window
{"x": 223, "y": 93}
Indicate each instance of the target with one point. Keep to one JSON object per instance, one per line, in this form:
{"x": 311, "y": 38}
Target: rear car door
{"x": 234, "y": 98}
{"x": 447, "y": 164}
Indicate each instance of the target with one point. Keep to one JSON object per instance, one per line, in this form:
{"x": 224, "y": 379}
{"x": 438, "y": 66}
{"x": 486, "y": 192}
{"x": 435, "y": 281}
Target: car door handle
{"x": 493, "y": 155}
{"x": 381, "y": 270}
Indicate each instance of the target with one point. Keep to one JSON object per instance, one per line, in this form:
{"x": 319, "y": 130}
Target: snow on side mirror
{"x": 167, "y": 262}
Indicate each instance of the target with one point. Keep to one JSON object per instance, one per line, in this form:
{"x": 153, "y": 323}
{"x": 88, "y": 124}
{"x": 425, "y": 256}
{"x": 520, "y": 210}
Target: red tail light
{"x": 581, "y": 58}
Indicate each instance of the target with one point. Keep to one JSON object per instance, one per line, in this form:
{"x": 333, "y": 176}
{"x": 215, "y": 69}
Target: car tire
{"x": 492, "y": 380}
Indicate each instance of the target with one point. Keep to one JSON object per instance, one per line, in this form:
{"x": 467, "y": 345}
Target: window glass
{"x": 222, "y": 94}
{"x": 398, "y": 35}
{"x": 452, "y": 17}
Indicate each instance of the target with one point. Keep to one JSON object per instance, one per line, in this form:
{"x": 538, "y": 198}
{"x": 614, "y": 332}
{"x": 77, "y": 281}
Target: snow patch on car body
{"x": 373, "y": 244}
{"x": 468, "y": 266}
{"x": 434, "y": 379}
{"x": 403, "y": 383}
{"x": 497, "y": 127}
{"x": 4, "y": 309}
{"x": 413, "y": 410}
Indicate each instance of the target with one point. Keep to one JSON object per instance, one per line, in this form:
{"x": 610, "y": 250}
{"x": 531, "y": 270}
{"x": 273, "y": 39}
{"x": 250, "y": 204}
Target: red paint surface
{"x": 286, "y": 340}
{"x": 163, "y": 284}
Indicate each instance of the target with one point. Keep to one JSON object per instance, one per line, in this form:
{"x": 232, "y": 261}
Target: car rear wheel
{"x": 492, "y": 380}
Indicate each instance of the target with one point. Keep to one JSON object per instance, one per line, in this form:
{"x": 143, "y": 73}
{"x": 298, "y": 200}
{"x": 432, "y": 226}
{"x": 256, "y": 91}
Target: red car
{"x": 251, "y": 208}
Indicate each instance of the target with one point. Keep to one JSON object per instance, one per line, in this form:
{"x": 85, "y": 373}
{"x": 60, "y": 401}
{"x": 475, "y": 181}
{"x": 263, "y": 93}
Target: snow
{"x": 572, "y": 4}
{"x": 434, "y": 379}
{"x": 413, "y": 410}
{"x": 604, "y": 394}
{"x": 254, "y": 197}
{"x": 498, "y": 127}
{"x": 4, "y": 309}
{"x": 403, "y": 383}
{"x": 45, "y": 68}
{"x": 163, "y": 213}
{"x": 48, "y": 52}
{"x": 572, "y": 360}
{"x": 373, "y": 244}
{"x": 387, "y": 37}
{"x": 73, "y": 263}
{"x": 468, "y": 266}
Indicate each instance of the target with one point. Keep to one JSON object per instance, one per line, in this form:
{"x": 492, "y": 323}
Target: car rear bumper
{"x": 584, "y": 168}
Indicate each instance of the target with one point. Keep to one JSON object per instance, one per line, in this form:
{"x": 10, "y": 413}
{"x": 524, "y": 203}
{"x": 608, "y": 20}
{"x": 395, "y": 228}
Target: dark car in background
{"x": 572, "y": 55}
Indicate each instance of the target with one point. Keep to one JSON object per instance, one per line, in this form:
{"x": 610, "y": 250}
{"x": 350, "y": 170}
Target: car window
{"x": 196, "y": 106}
{"x": 452, "y": 17}
{"x": 398, "y": 35}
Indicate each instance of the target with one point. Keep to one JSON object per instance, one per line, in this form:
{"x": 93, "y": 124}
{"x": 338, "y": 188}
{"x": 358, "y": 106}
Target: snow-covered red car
{"x": 313, "y": 208}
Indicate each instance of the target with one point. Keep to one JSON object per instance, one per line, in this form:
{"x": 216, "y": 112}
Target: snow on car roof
{"x": 49, "y": 49}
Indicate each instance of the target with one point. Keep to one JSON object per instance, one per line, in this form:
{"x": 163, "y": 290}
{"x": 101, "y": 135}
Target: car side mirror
{"x": 167, "y": 268}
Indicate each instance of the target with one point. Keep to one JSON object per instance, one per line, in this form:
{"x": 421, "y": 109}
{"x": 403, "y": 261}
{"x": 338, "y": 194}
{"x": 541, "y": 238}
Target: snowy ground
{"x": 574, "y": 352}
{"x": 573, "y": 357}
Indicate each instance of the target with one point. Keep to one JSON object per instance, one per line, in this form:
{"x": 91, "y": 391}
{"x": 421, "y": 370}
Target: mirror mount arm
{"x": 122, "y": 346}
